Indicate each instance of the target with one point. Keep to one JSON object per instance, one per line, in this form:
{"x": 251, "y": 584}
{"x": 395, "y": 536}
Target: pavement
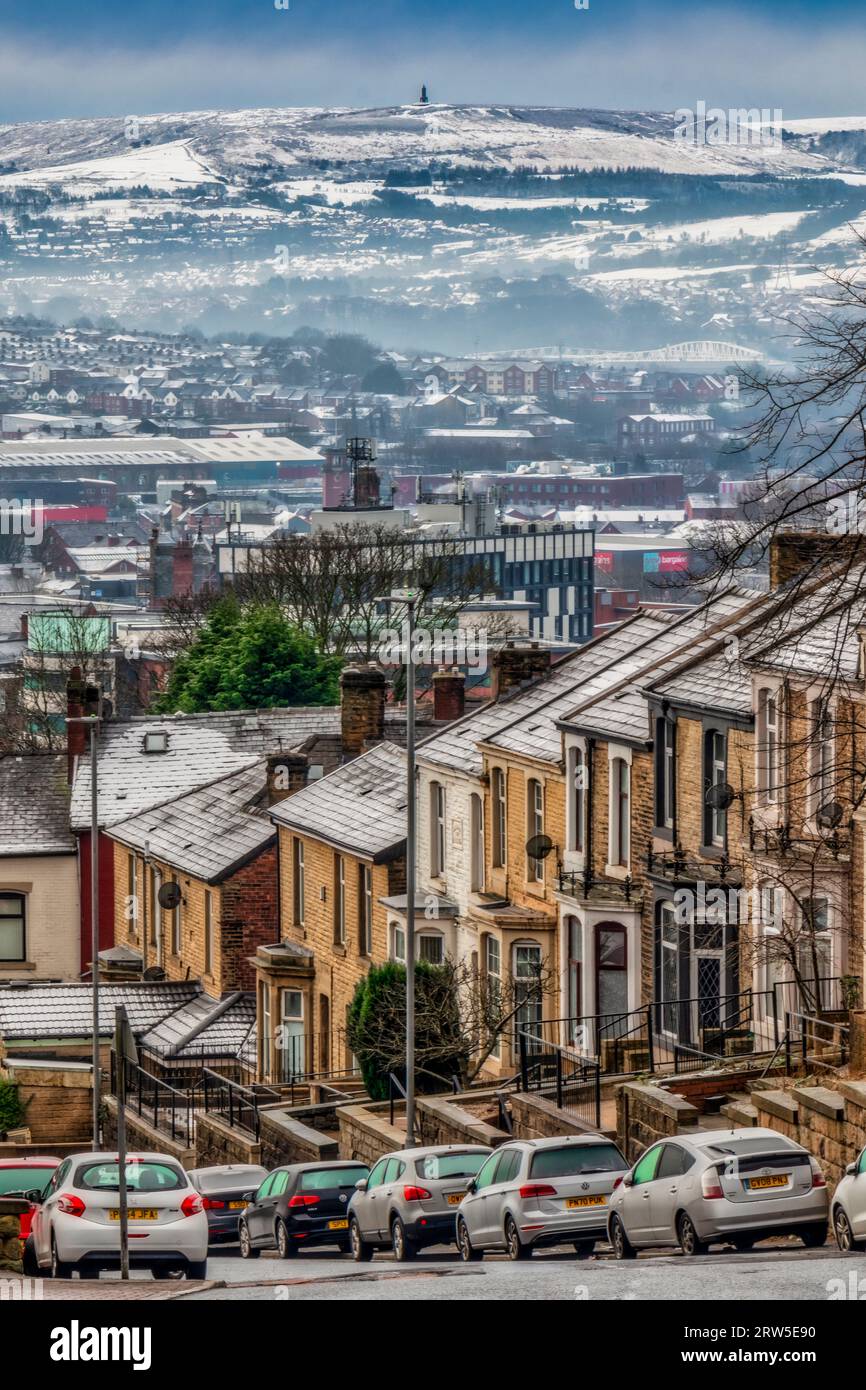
{"x": 783, "y": 1272}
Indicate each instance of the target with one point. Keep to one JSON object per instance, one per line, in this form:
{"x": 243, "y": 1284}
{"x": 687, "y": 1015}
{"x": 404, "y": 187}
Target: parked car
{"x": 301, "y": 1205}
{"x": 26, "y": 1177}
{"x": 849, "y": 1207}
{"x": 539, "y": 1192}
{"x": 77, "y": 1225}
{"x": 224, "y": 1192}
{"x": 734, "y": 1186}
{"x": 409, "y": 1199}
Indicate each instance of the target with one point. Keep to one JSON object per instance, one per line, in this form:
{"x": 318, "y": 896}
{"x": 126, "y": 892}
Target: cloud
{"x": 722, "y": 57}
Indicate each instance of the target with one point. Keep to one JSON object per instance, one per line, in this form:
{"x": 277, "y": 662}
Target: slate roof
{"x": 217, "y": 1027}
{"x": 64, "y": 1011}
{"x": 208, "y": 832}
{"x": 202, "y": 749}
{"x": 360, "y": 808}
{"x": 34, "y": 805}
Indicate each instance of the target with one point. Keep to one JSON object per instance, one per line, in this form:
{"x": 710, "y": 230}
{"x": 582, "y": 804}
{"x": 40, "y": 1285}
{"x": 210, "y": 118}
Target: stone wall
{"x": 830, "y": 1123}
{"x": 367, "y": 1134}
{"x": 58, "y": 1101}
{"x": 647, "y": 1113}
{"x": 535, "y": 1117}
{"x": 451, "y": 1122}
{"x": 285, "y": 1138}
{"x": 217, "y": 1144}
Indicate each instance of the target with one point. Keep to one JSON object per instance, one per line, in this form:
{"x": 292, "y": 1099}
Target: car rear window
{"x": 455, "y": 1165}
{"x": 24, "y": 1179}
{"x": 320, "y": 1178}
{"x": 740, "y": 1148}
{"x": 575, "y": 1159}
{"x": 246, "y": 1178}
{"x": 140, "y": 1177}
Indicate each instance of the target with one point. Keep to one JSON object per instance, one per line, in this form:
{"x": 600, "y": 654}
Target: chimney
{"x": 796, "y": 554}
{"x": 287, "y": 774}
{"x": 76, "y": 734}
{"x": 514, "y": 666}
{"x": 25, "y": 626}
{"x": 362, "y": 708}
{"x": 449, "y": 694}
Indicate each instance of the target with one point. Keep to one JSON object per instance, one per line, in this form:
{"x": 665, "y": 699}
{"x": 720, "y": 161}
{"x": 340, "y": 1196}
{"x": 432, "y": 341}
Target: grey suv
{"x": 537, "y": 1192}
{"x": 409, "y": 1199}
{"x": 733, "y": 1186}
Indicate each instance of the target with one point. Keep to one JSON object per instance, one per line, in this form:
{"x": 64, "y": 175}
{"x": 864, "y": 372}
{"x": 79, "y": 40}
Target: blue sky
{"x": 110, "y": 57}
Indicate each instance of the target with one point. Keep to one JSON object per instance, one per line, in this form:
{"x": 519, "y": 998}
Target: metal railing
{"x": 238, "y": 1105}
{"x": 166, "y": 1107}
{"x": 571, "y": 1081}
{"x": 808, "y": 1036}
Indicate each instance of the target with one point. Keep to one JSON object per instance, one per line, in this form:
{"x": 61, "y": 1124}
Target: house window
{"x": 398, "y": 943}
{"x": 266, "y": 1035}
{"x": 768, "y": 746}
{"x": 822, "y": 754}
{"x": 715, "y": 775}
{"x": 291, "y": 1042}
{"x": 12, "y": 933}
{"x": 156, "y": 911}
{"x": 611, "y": 969}
{"x": 339, "y": 900}
{"x": 815, "y": 953}
{"x": 132, "y": 894}
{"x": 534, "y": 826}
{"x": 526, "y": 969}
{"x": 575, "y": 981}
{"x": 175, "y": 925}
{"x": 208, "y": 932}
{"x": 620, "y": 777}
{"x": 476, "y": 830}
{"x": 298, "y": 883}
{"x": 437, "y": 829}
{"x": 577, "y": 825}
{"x": 431, "y": 948}
{"x": 493, "y": 983}
{"x": 365, "y": 909}
{"x": 500, "y": 819}
{"x": 666, "y": 776}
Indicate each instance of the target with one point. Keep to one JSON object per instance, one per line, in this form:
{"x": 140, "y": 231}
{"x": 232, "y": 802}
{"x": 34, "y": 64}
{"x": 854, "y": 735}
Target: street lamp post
{"x": 92, "y": 722}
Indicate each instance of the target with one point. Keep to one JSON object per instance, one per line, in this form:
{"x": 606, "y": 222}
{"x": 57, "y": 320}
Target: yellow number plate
{"x": 238, "y": 1206}
{"x": 455, "y": 1198}
{"x": 338, "y": 1225}
{"x": 754, "y": 1184}
{"x": 135, "y": 1214}
{"x": 572, "y": 1202}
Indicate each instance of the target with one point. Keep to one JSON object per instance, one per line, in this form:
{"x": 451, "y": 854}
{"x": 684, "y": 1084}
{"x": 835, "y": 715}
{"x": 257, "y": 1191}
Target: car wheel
{"x": 345, "y": 1247}
{"x": 841, "y": 1229}
{"x": 813, "y": 1237}
{"x": 196, "y": 1269}
{"x": 285, "y": 1249}
{"x": 362, "y": 1250}
{"x": 59, "y": 1268}
{"x": 514, "y": 1248}
{"x": 466, "y": 1249}
{"x": 248, "y": 1250}
{"x": 31, "y": 1264}
{"x": 622, "y": 1246}
{"x": 690, "y": 1241}
{"x": 163, "y": 1272}
{"x": 404, "y": 1248}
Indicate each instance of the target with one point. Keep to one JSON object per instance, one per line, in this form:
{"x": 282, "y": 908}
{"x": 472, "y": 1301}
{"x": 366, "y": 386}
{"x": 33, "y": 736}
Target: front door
{"x": 611, "y": 976}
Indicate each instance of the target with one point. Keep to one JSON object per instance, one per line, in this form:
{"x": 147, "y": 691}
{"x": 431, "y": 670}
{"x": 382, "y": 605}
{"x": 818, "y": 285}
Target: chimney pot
{"x": 287, "y": 774}
{"x": 449, "y": 694}
{"x": 362, "y": 708}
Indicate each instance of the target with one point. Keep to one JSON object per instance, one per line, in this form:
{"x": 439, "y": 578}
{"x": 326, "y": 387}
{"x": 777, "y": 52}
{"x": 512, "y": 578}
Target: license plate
{"x": 238, "y": 1206}
{"x": 572, "y": 1202}
{"x": 756, "y": 1184}
{"x": 135, "y": 1214}
{"x": 338, "y": 1225}
{"x": 455, "y": 1198}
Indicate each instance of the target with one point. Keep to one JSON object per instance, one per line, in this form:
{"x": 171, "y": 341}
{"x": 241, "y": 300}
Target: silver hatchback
{"x": 733, "y": 1186}
{"x": 409, "y": 1199}
{"x": 537, "y": 1192}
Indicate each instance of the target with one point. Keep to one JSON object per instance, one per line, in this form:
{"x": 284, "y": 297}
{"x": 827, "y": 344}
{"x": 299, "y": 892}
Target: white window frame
{"x": 339, "y": 900}
{"x": 477, "y": 866}
{"x": 534, "y": 826}
{"x": 299, "y": 885}
{"x": 431, "y": 936}
{"x": 619, "y": 854}
{"x": 365, "y": 909}
{"x": 208, "y": 931}
{"x": 768, "y": 745}
{"x": 437, "y": 829}
{"x": 398, "y": 954}
{"x": 499, "y": 787}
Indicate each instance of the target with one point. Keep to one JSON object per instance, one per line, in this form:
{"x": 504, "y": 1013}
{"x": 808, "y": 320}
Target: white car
{"x": 848, "y": 1211}
{"x": 77, "y": 1224}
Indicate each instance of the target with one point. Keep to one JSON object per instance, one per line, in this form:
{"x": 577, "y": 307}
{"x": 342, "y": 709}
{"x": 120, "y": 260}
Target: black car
{"x": 224, "y": 1192}
{"x": 300, "y": 1205}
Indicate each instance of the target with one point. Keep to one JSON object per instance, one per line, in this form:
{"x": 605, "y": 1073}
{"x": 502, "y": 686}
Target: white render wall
{"x": 456, "y": 882}
{"x": 50, "y": 882}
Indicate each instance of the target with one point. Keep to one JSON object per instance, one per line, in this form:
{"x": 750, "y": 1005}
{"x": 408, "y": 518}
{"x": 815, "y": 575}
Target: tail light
{"x": 711, "y": 1184}
{"x": 818, "y": 1179}
{"x": 192, "y": 1205}
{"x": 616, "y": 1182}
{"x": 210, "y": 1204}
{"x": 415, "y": 1194}
{"x": 71, "y": 1205}
{"x": 303, "y": 1200}
{"x": 537, "y": 1189}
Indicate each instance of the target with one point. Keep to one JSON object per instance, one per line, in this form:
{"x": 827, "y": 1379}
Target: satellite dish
{"x": 538, "y": 847}
{"x": 153, "y": 972}
{"x": 829, "y": 815}
{"x": 169, "y": 895}
{"x": 720, "y": 796}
